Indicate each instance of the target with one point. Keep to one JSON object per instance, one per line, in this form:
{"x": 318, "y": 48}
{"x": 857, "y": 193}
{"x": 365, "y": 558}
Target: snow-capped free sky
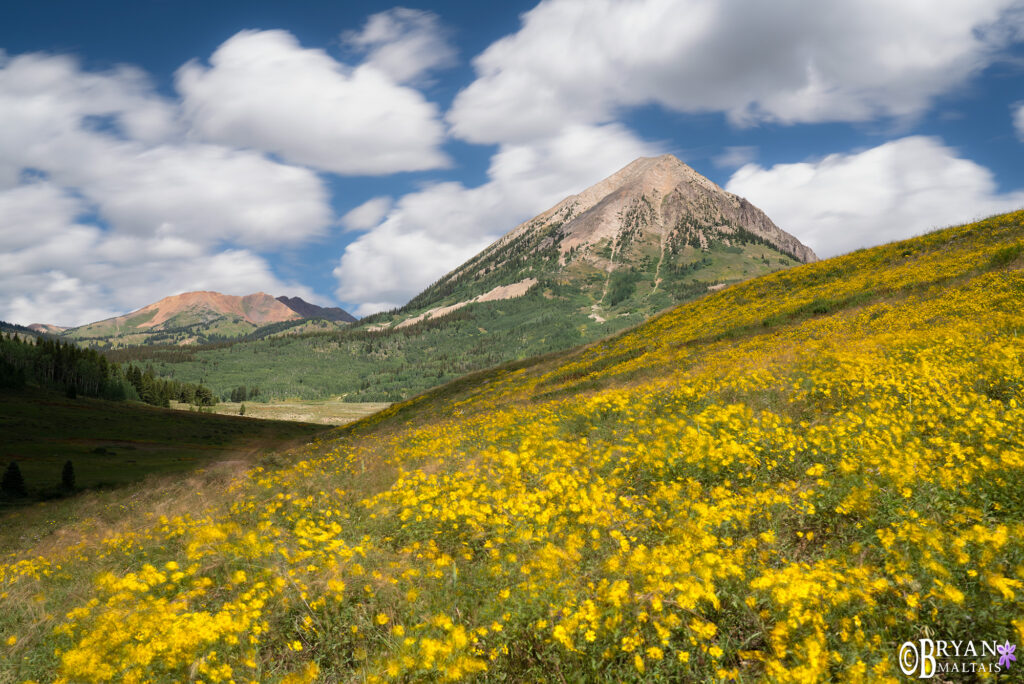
{"x": 353, "y": 152}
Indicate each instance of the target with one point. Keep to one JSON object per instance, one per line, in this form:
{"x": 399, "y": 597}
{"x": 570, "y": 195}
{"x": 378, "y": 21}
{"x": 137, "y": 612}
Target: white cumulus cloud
{"x": 262, "y": 90}
{"x": 72, "y": 273}
{"x": 368, "y": 214}
{"x": 204, "y": 193}
{"x": 1018, "y": 120}
{"x": 105, "y": 206}
{"x": 894, "y": 191}
{"x": 403, "y": 43}
{"x": 789, "y": 61}
{"x": 430, "y": 232}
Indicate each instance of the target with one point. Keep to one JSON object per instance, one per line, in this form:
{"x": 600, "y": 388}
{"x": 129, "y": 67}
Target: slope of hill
{"x": 783, "y": 481}
{"x": 22, "y": 330}
{"x": 116, "y": 443}
{"x": 654, "y": 234}
{"x": 46, "y": 329}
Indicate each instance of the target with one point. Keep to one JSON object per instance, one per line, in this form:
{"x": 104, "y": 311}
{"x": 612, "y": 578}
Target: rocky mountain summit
{"x": 652, "y": 234}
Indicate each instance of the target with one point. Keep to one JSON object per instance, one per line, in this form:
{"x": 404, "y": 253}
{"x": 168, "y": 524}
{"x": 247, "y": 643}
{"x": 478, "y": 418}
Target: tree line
{"x": 57, "y": 365}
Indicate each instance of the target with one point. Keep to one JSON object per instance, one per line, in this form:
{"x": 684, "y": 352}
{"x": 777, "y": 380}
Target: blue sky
{"x": 351, "y": 153}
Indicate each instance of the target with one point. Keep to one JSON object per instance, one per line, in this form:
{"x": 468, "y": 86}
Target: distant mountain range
{"x": 653, "y": 235}
{"x": 199, "y": 317}
{"x": 14, "y": 328}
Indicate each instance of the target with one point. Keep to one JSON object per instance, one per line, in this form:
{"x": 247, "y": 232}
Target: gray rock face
{"x": 664, "y": 195}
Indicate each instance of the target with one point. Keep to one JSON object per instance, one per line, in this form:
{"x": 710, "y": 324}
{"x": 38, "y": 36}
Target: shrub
{"x": 67, "y": 477}
{"x": 13, "y": 484}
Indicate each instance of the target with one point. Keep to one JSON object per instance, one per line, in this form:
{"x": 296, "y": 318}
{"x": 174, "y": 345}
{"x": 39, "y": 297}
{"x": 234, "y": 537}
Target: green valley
{"x": 652, "y": 235}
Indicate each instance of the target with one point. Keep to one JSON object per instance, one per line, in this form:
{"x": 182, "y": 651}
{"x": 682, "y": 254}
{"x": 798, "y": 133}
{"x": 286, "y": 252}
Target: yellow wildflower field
{"x": 783, "y": 481}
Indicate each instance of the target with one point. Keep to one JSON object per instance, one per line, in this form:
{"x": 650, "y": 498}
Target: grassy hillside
{"x": 395, "y": 364}
{"x": 383, "y": 366}
{"x": 112, "y": 444}
{"x": 784, "y": 480}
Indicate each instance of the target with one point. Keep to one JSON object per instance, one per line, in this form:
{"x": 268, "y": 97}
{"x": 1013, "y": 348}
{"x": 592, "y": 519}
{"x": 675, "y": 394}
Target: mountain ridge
{"x": 307, "y": 310}
{"x": 198, "y": 316}
{"x": 654, "y": 234}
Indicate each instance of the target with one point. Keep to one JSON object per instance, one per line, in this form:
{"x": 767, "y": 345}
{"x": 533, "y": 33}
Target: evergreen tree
{"x": 204, "y": 397}
{"x": 13, "y": 484}
{"x": 241, "y": 410}
{"x": 67, "y": 477}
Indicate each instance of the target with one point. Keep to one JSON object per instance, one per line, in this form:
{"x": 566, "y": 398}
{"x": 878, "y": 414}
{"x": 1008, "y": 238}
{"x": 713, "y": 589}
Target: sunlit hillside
{"x": 783, "y": 481}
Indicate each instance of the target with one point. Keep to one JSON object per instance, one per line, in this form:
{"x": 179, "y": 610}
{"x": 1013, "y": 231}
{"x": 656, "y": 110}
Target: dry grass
{"x": 326, "y": 412}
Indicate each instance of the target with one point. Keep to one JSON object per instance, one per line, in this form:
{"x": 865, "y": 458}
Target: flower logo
{"x": 1006, "y": 654}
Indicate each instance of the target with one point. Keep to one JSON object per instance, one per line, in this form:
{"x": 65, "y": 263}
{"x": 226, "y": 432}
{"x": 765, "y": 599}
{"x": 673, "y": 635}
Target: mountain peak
{"x": 656, "y": 222}
{"x": 644, "y": 175}
{"x": 673, "y": 191}
{"x": 258, "y": 308}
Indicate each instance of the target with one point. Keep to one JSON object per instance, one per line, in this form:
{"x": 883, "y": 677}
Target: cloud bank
{"x": 789, "y": 61}
{"x": 113, "y": 196}
{"x": 891, "y": 192}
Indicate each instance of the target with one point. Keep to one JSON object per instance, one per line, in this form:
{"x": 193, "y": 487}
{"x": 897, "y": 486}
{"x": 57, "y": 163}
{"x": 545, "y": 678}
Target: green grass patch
{"x": 111, "y": 444}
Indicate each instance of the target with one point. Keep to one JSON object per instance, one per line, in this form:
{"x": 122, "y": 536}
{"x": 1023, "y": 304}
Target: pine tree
{"x": 13, "y": 484}
{"x": 67, "y": 477}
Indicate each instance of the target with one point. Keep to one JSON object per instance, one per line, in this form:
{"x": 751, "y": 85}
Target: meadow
{"x": 782, "y": 481}
{"x": 324, "y": 412}
{"x": 112, "y": 445}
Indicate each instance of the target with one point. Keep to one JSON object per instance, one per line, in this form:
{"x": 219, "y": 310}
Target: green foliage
{"x": 11, "y": 376}
{"x": 1006, "y": 255}
{"x": 622, "y": 286}
{"x": 159, "y": 391}
{"x": 58, "y": 365}
{"x": 365, "y": 365}
{"x": 16, "y": 329}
